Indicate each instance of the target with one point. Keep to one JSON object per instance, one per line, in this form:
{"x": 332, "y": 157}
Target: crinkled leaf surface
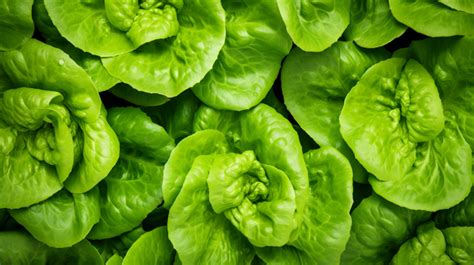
{"x": 314, "y": 88}
{"x": 100, "y": 152}
{"x": 315, "y": 25}
{"x": 249, "y": 62}
{"x": 250, "y": 184}
{"x": 257, "y": 199}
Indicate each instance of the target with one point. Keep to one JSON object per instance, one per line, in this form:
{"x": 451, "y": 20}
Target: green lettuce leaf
{"x": 152, "y": 247}
{"x": 63, "y": 220}
{"x": 249, "y": 62}
{"x": 428, "y": 247}
{"x": 18, "y": 247}
{"x": 323, "y": 235}
{"x": 372, "y": 24}
{"x": 449, "y": 61}
{"x": 433, "y": 18}
{"x": 192, "y": 221}
{"x": 16, "y": 23}
{"x": 133, "y": 188}
{"x": 170, "y": 66}
{"x": 314, "y": 88}
{"x": 378, "y": 229}
{"x": 314, "y": 25}
{"x": 116, "y": 27}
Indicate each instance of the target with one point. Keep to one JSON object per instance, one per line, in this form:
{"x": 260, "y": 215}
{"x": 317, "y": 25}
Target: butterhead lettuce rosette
{"x": 56, "y": 143}
{"x": 395, "y": 123}
{"x": 322, "y": 236}
{"x": 240, "y": 182}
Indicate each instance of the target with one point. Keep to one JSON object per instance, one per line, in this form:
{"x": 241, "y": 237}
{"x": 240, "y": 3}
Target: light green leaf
{"x": 378, "y": 229}
{"x": 63, "y": 220}
{"x": 249, "y": 62}
{"x": 136, "y": 97}
{"x": 270, "y": 135}
{"x": 459, "y": 244}
{"x": 16, "y": 23}
{"x": 323, "y": 235}
{"x": 49, "y": 72}
{"x": 133, "y": 188}
{"x": 257, "y": 199}
{"x": 396, "y": 106}
{"x": 114, "y": 260}
{"x": 182, "y": 157}
{"x": 372, "y": 24}
{"x": 90, "y": 63}
{"x": 192, "y": 221}
{"x": 314, "y": 88}
{"x": 461, "y": 5}
{"x": 153, "y": 248}
{"x": 117, "y": 27}
{"x": 100, "y": 152}
{"x": 428, "y": 247}
{"x": 432, "y": 18}
{"x": 168, "y": 67}
{"x": 459, "y": 215}
{"x": 449, "y": 60}
{"x": 314, "y": 25}
{"x": 17, "y": 247}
